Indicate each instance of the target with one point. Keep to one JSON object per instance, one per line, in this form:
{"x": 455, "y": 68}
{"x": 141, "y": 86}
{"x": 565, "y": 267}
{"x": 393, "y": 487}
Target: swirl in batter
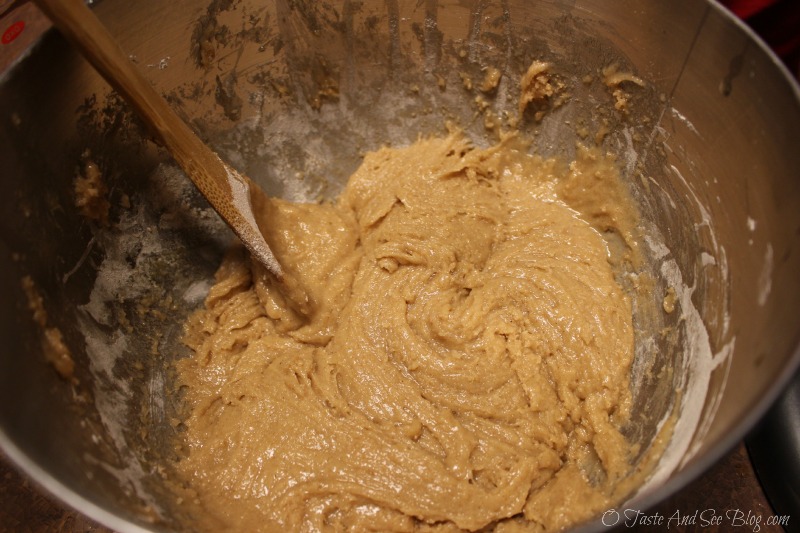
{"x": 467, "y": 366}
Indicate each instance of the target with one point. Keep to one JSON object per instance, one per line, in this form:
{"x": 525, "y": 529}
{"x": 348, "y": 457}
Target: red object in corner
{"x": 744, "y": 9}
{"x": 12, "y": 32}
{"x": 775, "y": 21}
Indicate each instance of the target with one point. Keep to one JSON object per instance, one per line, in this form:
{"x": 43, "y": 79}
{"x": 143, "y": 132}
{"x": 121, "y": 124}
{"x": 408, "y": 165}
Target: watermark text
{"x": 733, "y": 518}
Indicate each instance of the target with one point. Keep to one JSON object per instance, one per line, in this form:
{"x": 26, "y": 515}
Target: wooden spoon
{"x": 227, "y": 190}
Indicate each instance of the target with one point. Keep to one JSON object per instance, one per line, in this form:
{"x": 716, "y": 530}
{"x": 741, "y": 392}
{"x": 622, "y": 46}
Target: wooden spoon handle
{"x": 226, "y": 190}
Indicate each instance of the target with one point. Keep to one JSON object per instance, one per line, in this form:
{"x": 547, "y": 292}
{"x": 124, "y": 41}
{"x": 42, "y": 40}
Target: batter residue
{"x": 467, "y": 366}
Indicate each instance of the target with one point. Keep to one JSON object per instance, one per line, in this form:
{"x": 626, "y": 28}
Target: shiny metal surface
{"x": 291, "y": 93}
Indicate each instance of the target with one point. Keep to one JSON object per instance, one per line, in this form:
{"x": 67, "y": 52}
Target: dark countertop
{"x": 24, "y": 508}
{"x": 729, "y": 486}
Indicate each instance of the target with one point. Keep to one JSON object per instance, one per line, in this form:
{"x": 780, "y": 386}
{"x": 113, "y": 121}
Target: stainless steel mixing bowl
{"x": 292, "y": 93}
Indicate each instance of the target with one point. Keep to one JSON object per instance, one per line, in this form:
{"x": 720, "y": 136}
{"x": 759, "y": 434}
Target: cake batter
{"x": 467, "y": 365}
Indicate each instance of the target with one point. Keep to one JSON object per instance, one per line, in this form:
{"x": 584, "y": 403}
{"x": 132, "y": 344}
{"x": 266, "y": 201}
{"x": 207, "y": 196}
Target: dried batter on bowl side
{"x": 468, "y": 365}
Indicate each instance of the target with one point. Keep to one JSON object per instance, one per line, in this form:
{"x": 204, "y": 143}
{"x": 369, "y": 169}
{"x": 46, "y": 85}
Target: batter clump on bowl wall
{"x": 467, "y": 366}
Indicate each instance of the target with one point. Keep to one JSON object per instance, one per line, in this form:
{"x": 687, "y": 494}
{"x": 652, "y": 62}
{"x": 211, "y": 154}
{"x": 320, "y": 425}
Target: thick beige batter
{"x": 468, "y": 365}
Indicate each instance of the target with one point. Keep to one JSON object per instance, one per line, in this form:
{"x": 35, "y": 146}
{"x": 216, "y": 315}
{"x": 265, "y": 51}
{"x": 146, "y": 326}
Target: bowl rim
{"x": 677, "y": 481}
{"x": 51, "y": 485}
